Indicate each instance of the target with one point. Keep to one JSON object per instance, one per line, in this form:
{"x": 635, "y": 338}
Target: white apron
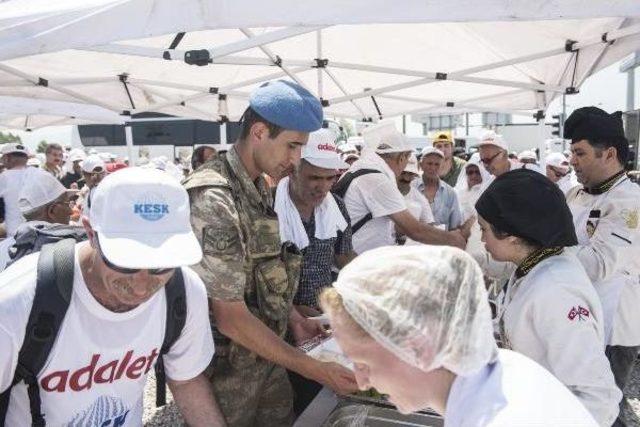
{"x": 608, "y": 290}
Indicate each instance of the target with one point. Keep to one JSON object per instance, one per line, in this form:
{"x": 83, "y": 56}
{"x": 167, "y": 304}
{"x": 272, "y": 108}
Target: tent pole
{"x": 128, "y": 132}
{"x": 344, "y": 91}
{"x": 319, "y": 70}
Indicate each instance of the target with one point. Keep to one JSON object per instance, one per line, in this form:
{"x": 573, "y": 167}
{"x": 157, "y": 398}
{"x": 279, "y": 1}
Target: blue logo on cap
{"x": 151, "y": 208}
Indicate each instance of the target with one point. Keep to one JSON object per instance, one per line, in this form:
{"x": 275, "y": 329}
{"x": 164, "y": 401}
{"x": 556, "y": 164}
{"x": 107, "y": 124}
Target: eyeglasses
{"x": 488, "y": 161}
{"x": 123, "y": 270}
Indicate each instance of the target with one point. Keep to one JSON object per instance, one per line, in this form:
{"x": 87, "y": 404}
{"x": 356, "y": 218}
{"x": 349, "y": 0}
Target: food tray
{"x": 354, "y": 415}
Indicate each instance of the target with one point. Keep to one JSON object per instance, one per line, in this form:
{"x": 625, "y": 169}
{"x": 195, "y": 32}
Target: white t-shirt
{"x": 378, "y": 194}
{"x": 96, "y": 372}
{"x": 514, "y": 391}
{"x": 11, "y": 182}
{"x": 4, "y": 251}
{"x": 418, "y": 206}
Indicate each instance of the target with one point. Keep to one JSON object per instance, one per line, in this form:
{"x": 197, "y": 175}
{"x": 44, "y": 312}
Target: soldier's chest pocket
{"x": 263, "y": 236}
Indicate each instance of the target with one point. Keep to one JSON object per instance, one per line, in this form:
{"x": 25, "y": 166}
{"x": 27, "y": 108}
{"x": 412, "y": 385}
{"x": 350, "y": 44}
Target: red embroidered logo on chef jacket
{"x": 580, "y": 313}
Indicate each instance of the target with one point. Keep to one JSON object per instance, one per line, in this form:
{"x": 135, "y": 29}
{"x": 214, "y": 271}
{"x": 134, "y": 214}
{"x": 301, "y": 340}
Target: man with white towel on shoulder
{"x": 315, "y": 219}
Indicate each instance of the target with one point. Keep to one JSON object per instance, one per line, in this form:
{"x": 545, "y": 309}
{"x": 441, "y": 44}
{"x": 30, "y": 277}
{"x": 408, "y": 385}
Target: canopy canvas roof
{"x": 444, "y": 57}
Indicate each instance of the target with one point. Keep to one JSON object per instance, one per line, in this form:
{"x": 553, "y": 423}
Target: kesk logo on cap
{"x": 152, "y": 207}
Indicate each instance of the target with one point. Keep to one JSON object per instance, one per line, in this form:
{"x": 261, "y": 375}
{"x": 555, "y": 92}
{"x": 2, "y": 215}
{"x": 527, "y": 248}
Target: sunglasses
{"x": 123, "y": 270}
{"x": 488, "y": 161}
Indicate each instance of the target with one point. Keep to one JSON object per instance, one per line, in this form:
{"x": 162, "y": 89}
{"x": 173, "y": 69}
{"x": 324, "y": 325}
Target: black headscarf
{"x": 525, "y": 203}
{"x": 594, "y": 124}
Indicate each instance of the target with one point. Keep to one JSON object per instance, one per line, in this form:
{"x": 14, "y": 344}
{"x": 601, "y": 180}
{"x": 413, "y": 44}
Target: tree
{"x": 42, "y": 146}
{"x": 6, "y": 138}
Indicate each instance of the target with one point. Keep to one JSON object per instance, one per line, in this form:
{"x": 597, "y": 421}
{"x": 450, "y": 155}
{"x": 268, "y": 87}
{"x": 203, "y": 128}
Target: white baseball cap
{"x": 527, "y": 155}
{"x": 492, "y": 138}
{"x": 431, "y": 150}
{"x": 557, "y": 160}
{"x": 321, "y": 150}
{"x": 93, "y": 162}
{"x": 141, "y": 216}
{"x": 384, "y": 138}
{"x": 34, "y": 161}
{"x": 39, "y": 189}
{"x": 14, "y": 147}
{"x": 412, "y": 165}
{"x": 76, "y": 154}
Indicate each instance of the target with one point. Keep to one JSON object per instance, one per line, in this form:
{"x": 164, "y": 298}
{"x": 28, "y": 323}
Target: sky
{"x": 605, "y": 89}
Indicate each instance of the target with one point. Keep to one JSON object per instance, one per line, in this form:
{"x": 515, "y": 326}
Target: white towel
{"x": 329, "y": 220}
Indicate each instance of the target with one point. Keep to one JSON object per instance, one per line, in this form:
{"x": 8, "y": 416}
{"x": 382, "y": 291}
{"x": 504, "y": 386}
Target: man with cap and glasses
{"x": 376, "y": 206}
{"x": 417, "y": 204}
{"x": 441, "y": 196}
{"x": 114, "y": 325}
{"x": 494, "y": 154}
{"x": 606, "y": 209}
{"x": 74, "y": 176}
{"x": 251, "y": 276}
{"x": 42, "y": 200}
{"x": 14, "y": 157}
{"x": 452, "y": 165}
{"x": 558, "y": 170}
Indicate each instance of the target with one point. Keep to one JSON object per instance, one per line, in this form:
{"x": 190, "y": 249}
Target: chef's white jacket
{"x": 553, "y": 315}
{"x": 513, "y": 391}
{"x": 609, "y": 249}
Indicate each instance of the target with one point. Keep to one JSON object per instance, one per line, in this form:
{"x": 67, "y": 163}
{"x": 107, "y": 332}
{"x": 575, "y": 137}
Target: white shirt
{"x": 553, "y": 315}
{"x": 608, "y": 231}
{"x": 4, "y": 251}
{"x": 11, "y": 182}
{"x": 377, "y": 193}
{"x": 97, "y": 369}
{"x": 418, "y": 206}
{"x": 513, "y": 392}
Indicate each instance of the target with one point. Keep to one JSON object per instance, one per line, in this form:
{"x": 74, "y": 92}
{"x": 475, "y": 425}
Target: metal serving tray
{"x": 350, "y": 413}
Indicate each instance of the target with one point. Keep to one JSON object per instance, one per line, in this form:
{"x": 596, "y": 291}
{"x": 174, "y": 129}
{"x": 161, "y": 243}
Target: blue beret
{"x": 287, "y": 105}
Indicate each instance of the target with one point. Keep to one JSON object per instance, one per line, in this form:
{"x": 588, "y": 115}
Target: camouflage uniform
{"x": 244, "y": 260}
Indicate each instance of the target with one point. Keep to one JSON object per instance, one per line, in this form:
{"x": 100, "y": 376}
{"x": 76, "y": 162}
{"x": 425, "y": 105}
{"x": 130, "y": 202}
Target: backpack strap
{"x": 52, "y": 298}
{"x": 176, "y": 318}
{"x": 341, "y": 187}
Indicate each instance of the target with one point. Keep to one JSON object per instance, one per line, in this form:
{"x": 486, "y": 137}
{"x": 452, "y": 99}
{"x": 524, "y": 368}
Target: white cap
{"x": 431, "y": 150}
{"x": 527, "y": 155}
{"x": 106, "y": 157}
{"x": 347, "y": 147}
{"x": 492, "y": 138}
{"x": 34, "y": 161}
{"x": 142, "y": 220}
{"x": 14, "y": 147}
{"x": 39, "y": 189}
{"x": 557, "y": 160}
{"x": 356, "y": 141}
{"x": 321, "y": 151}
{"x": 412, "y": 165}
{"x": 92, "y": 162}
{"x": 76, "y": 154}
{"x": 384, "y": 138}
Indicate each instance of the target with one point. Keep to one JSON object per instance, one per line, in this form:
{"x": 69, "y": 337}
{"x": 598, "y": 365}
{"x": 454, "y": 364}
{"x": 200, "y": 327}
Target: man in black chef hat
{"x": 605, "y": 212}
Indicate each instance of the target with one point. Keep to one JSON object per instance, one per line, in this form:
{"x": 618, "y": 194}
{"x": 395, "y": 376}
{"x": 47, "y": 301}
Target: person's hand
{"x": 338, "y": 378}
{"x": 465, "y": 229}
{"x": 457, "y": 239}
{"x": 304, "y": 329}
{"x": 307, "y": 311}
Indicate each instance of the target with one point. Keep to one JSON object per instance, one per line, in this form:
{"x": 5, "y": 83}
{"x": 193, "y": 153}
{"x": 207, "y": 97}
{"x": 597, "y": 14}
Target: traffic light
{"x": 557, "y": 125}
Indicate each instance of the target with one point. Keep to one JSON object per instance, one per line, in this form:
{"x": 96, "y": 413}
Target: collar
{"x": 258, "y": 190}
{"x": 606, "y": 185}
{"x": 535, "y": 258}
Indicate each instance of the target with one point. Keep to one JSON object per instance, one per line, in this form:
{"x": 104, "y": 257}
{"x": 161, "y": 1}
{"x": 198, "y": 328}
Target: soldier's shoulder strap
{"x": 211, "y": 174}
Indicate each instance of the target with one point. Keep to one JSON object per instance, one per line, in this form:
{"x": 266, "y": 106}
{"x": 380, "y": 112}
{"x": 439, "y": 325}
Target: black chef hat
{"x": 594, "y": 124}
{"x": 525, "y": 203}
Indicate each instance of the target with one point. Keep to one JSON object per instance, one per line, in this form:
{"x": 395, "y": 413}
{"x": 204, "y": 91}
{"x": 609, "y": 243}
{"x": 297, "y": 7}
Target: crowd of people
{"x": 497, "y": 290}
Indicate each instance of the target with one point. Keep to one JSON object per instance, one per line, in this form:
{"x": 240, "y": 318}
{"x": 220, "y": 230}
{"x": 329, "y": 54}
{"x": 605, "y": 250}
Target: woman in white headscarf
{"x": 416, "y": 323}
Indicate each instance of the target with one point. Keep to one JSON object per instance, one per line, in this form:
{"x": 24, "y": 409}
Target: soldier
{"x": 252, "y": 277}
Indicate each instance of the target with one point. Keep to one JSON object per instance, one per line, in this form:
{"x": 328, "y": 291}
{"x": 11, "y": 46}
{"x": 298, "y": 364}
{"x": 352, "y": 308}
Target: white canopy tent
{"x": 407, "y": 59}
